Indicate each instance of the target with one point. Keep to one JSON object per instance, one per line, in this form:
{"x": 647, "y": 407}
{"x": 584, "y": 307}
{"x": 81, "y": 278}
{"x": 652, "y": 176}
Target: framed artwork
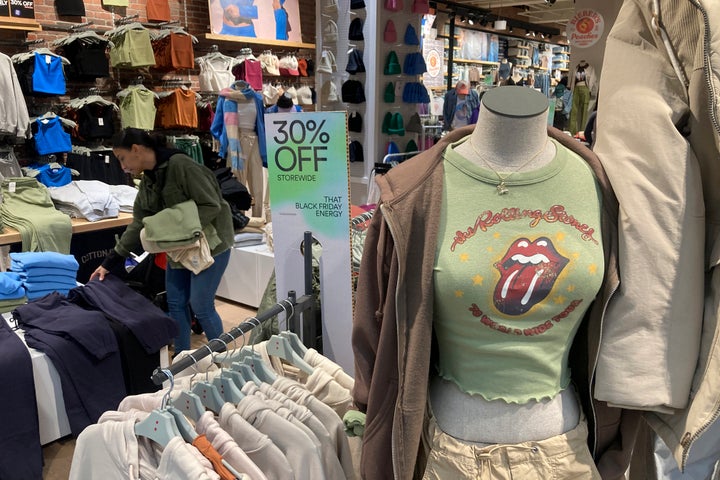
{"x": 272, "y": 20}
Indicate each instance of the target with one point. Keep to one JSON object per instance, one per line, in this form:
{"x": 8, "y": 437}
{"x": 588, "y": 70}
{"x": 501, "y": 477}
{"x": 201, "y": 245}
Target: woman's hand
{"x": 100, "y": 273}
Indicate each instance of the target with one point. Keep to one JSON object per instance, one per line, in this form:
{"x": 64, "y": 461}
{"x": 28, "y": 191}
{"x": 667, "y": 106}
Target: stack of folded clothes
{"x": 45, "y": 272}
{"x": 12, "y": 291}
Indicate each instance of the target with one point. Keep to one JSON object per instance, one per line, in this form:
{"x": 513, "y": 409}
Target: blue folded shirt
{"x": 27, "y": 260}
{"x": 9, "y": 283}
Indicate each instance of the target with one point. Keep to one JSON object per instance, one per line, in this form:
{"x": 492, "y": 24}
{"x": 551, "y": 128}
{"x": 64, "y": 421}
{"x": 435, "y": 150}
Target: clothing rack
{"x": 291, "y": 306}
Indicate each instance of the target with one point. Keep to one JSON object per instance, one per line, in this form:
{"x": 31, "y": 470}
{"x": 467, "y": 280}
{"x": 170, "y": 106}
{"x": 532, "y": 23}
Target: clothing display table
{"x": 52, "y": 417}
{"x": 79, "y": 225}
{"x": 247, "y": 274}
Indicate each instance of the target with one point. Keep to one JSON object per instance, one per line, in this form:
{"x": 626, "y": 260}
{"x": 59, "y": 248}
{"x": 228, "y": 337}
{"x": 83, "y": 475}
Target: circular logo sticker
{"x": 432, "y": 59}
{"x": 585, "y": 28}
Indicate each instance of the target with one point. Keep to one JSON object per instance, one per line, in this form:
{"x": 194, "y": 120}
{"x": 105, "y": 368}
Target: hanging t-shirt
{"x": 174, "y": 52}
{"x": 48, "y": 76}
{"x": 462, "y": 114}
{"x": 95, "y": 121}
{"x": 87, "y": 60}
{"x": 177, "y": 110}
{"x": 137, "y": 108}
{"x": 51, "y": 137}
{"x": 158, "y": 10}
{"x": 282, "y": 24}
{"x": 514, "y": 276}
{"x": 73, "y": 8}
{"x": 251, "y": 71}
{"x": 215, "y": 73}
{"x": 132, "y": 49}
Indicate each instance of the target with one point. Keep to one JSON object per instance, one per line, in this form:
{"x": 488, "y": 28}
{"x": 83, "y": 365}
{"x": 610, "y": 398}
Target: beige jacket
{"x": 658, "y": 135}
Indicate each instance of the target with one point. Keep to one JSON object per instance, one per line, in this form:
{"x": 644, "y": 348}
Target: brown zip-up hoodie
{"x": 392, "y": 325}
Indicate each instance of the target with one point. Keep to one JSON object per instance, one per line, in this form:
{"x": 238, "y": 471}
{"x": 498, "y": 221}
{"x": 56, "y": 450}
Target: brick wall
{"x": 193, "y": 14}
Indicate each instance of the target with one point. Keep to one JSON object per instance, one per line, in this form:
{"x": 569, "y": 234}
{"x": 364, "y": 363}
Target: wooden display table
{"x": 79, "y": 225}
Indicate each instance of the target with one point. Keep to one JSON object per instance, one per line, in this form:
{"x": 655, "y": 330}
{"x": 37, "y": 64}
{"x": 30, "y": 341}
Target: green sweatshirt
{"x": 175, "y": 179}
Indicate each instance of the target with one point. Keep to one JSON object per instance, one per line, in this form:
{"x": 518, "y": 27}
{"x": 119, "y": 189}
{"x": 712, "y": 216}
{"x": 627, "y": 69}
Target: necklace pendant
{"x": 502, "y": 189}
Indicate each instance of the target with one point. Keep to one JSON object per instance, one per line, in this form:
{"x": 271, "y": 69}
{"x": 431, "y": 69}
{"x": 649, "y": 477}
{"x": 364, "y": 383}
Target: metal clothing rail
{"x": 291, "y": 306}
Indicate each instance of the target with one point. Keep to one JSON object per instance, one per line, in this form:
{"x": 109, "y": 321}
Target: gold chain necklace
{"x": 502, "y": 187}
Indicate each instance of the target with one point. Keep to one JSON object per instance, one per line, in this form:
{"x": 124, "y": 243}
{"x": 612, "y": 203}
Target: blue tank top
{"x": 48, "y": 76}
{"x": 50, "y": 137}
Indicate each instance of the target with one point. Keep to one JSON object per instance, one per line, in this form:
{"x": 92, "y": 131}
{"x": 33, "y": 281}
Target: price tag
{"x": 101, "y": 122}
{"x": 107, "y": 158}
{"x": 11, "y": 187}
{"x": 48, "y": 59}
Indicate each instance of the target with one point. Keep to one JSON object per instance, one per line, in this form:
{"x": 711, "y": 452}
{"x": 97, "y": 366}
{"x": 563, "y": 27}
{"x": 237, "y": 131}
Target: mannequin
{"x": 582, "y": 84}
{"x": 458, "y": 413}
{"x": 479, "y": 270}
{"x": 244, "y": 135}
{"x": 504, "y": 71}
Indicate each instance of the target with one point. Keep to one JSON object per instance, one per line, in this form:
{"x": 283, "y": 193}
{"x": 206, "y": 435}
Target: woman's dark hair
{"x": 130, "y": 136}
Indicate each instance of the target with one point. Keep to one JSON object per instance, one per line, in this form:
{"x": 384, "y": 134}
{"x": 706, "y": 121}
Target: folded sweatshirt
{"x": 28, "y": 260}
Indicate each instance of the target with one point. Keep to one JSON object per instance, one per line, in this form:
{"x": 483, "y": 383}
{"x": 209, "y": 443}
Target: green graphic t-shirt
{"x": 514, "y": 275}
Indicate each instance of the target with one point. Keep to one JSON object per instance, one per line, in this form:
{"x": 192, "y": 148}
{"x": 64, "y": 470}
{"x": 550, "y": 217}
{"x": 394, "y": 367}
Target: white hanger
{"x": 295, "y": 342}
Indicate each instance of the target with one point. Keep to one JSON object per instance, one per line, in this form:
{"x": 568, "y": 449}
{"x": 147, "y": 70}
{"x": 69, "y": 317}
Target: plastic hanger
{"x": 188, "y": 402}
{"x": 292, "y": 337}
{"x": 229, "y": 390}
{"x": 251, "y": 358}
{"x": 295, "y": 342}
{"x": 208, "y": 393}
{"x": 247, "y": 372}
{"x": 280, "y": 347}
{"x": 160, "y": 425}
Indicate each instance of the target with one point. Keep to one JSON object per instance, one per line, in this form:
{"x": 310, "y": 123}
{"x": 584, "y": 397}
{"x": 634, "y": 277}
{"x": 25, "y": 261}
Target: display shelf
{"x": 257, "y": 41}
{"x": 476, "y": 62}
{"x": 79, "y": 225}
{"x": 24, "y": 24}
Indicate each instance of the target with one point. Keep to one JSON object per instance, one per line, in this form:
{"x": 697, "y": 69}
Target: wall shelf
{"x": 477, "y": 62}
{"x": 257, "y": 41}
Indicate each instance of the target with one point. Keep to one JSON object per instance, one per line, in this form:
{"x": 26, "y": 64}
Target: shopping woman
{"x": 169, "y": 177}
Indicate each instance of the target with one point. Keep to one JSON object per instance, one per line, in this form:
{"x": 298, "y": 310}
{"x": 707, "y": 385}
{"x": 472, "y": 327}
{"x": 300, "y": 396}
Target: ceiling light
{"x": 471, "y": 21}
{"x": 510, "y": 29}
{"x": 527, "y": 34}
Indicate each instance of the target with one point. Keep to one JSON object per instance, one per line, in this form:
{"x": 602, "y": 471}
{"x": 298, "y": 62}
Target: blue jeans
{"x": 185, "y": 289}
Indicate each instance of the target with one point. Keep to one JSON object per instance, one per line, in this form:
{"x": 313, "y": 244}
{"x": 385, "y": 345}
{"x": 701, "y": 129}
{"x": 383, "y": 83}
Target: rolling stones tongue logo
{"x": 528, "y": 272}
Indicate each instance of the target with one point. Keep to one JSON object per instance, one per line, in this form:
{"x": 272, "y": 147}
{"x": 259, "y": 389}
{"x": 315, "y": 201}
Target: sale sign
{"x": 309, "y": 186}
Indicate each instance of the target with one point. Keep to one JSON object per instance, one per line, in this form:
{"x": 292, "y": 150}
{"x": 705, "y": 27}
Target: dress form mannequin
{"x": 506, "y": 115}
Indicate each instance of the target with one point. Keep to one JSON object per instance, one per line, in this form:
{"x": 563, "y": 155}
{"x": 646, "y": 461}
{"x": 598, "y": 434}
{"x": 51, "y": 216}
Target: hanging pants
{"x": 253, "y": 175}
{"x": 579, "y": 112}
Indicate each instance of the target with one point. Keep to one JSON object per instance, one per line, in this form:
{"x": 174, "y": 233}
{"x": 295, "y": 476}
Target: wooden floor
{"x": 58, "y": 455}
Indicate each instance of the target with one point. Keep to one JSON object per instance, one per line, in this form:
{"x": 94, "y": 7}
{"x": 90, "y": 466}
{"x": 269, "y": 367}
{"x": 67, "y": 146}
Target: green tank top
{"x": 514, "y": 275}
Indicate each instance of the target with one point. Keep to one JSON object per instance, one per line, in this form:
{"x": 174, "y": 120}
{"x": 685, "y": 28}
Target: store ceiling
{"x": 538, "y": 12}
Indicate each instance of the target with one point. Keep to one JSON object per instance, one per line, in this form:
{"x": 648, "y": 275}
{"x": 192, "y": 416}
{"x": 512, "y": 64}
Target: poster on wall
{"x": 264, "y": 20}
{"x": 585, "y": 28}
{"x": 308, "y": 177}
{"x": 433, "y": 54}
{"x": 17, "y": 9}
